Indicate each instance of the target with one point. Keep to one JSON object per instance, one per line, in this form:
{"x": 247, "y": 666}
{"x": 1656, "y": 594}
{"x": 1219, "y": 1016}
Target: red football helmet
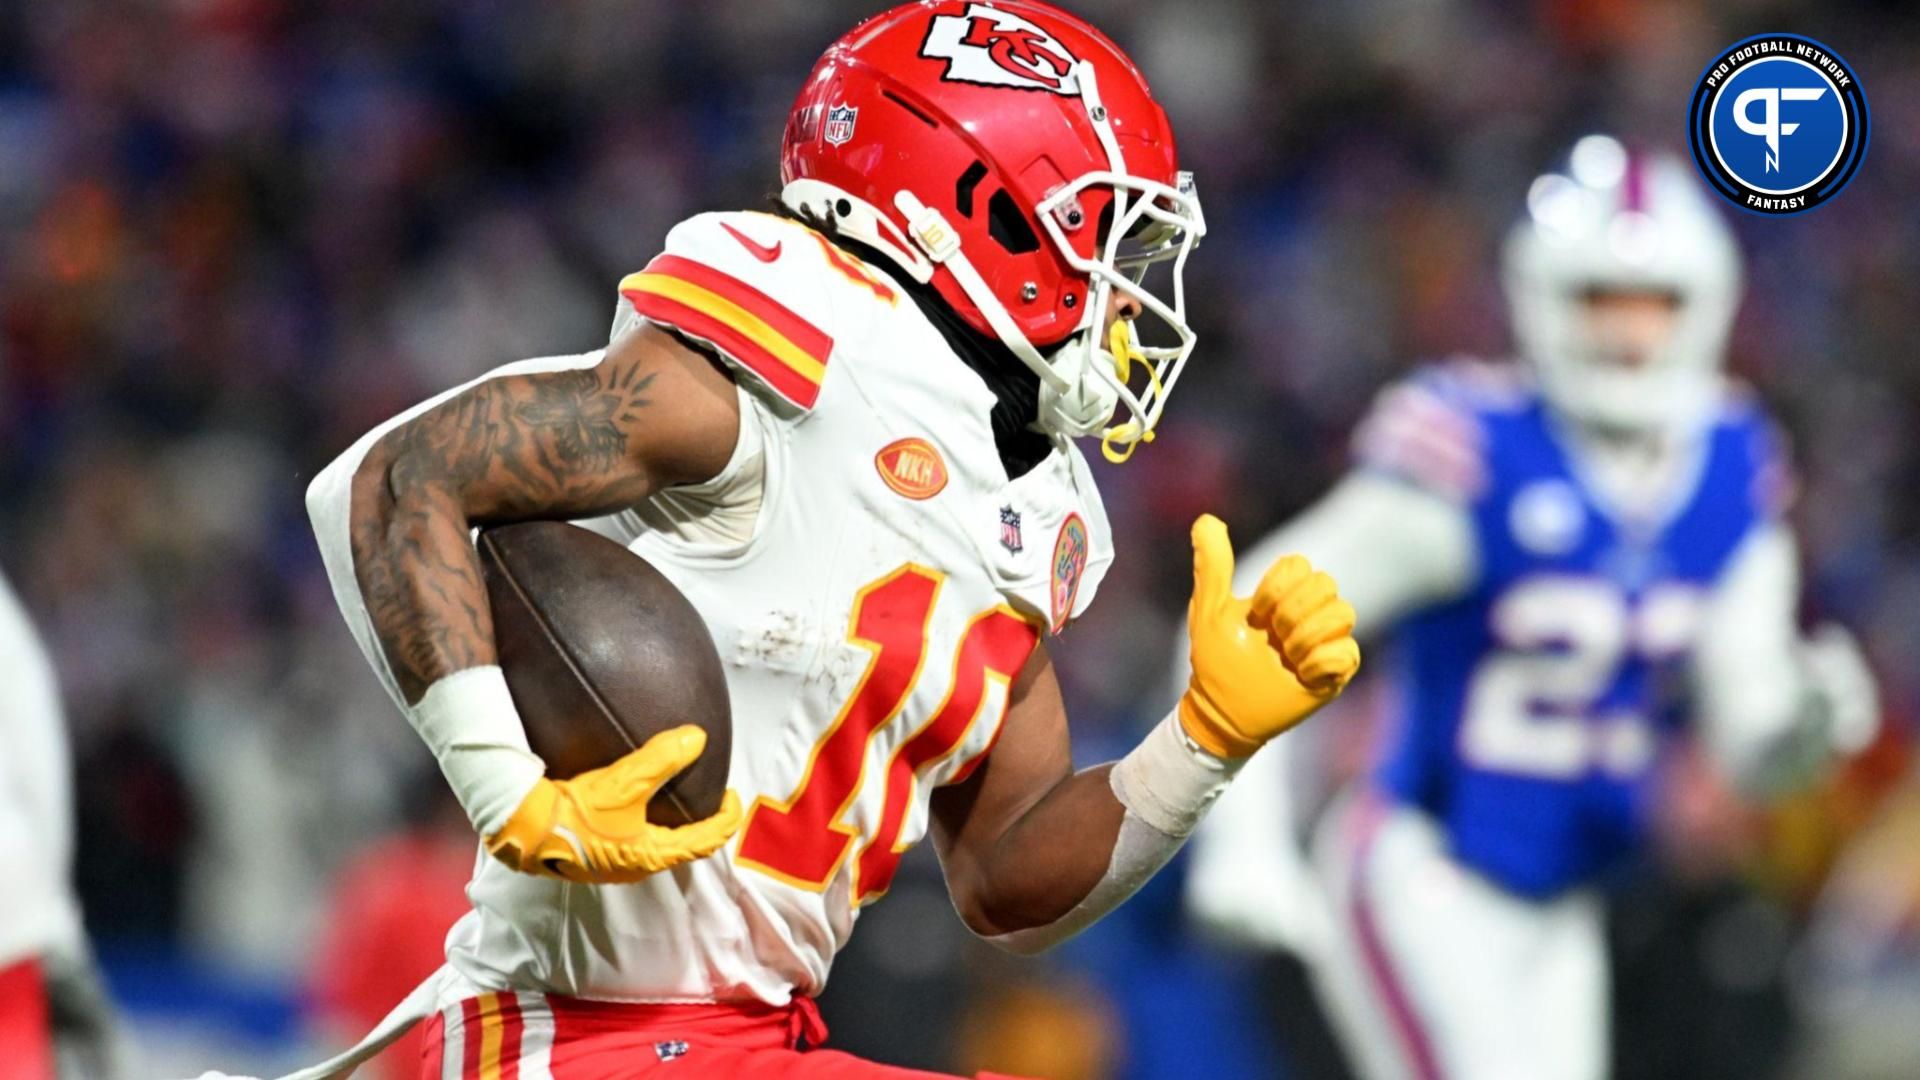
{"x": 1011, "y": 155}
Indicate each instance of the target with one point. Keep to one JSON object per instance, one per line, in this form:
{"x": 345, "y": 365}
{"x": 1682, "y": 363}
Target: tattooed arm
{"x": 551, "y": 444}
{"x": 559, "y": 437}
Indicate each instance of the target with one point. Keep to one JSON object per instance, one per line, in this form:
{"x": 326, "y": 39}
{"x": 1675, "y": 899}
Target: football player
{"x": 844, "y": 430}
{"x": 55, "y": 1016}
{"x": 1565, "y": 546}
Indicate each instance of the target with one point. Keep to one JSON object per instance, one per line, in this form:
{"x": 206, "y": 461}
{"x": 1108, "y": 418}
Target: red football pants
{"x": 524, "y": 1036}
{"x": 26, "y": 1032}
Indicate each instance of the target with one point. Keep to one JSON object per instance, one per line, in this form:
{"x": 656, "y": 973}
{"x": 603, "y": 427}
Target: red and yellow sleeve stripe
{"x": 766, "y": 336}
{"x": 491, "y": 1032}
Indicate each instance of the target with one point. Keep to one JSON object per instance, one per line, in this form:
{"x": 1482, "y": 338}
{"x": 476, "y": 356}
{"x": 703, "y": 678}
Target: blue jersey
{"x": 1534, "y": 704}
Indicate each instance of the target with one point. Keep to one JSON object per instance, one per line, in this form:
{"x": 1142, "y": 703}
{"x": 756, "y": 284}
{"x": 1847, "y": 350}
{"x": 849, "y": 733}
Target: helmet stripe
{"x": 1633, "y": 187}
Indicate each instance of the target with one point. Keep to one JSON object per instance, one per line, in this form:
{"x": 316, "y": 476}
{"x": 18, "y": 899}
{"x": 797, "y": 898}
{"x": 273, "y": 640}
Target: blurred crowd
{"x": 234, "y": 234}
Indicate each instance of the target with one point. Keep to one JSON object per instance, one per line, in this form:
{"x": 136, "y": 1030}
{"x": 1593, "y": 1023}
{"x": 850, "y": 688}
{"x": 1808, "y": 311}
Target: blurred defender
{"x": 845, "y": 433}
{"x": 1562, "y": 546}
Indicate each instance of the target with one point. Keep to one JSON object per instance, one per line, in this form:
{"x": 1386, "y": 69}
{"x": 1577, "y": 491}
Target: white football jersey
{"x": 39, "y": 914}
{"x": 893, "y": 582}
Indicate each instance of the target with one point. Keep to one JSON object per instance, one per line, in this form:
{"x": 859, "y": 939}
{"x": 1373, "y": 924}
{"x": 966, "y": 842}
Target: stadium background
{"x": 236, "y": 233}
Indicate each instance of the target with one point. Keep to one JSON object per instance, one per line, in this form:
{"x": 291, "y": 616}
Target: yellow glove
{"x": 1264, "y": 664}
{"x": 594, "y": 827}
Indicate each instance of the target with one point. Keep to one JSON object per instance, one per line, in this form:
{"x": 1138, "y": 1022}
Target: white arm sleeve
{"x": 1748, "y": 677}
{"x": 1771, "y": 705}
{"x": 38, "y": 911}
{"x": 1393, "y": 547}
{"x": 1248, "y": 882}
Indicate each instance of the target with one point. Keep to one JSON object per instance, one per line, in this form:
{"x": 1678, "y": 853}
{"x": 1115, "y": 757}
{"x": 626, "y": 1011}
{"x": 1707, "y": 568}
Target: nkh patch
{"x": 1010, "y": 530}
{"x": 911, "y": 467}
{"x": 672, "y": 1048}
{"x": 1069, "y": 562}
{"x": 839, "y": 126}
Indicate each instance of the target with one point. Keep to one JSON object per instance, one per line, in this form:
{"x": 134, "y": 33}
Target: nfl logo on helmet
{"x": 839, "y": 127}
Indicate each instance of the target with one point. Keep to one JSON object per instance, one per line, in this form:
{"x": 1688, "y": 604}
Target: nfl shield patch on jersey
{"x": 1010, "y": 531}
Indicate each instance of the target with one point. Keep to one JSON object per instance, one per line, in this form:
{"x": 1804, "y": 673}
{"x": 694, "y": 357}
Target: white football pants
{"x": 1433, "y": 972}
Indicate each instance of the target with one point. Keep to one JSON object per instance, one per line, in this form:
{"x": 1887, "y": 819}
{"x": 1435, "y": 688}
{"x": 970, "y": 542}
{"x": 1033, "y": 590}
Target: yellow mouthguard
{"x": 1118, "y": 443}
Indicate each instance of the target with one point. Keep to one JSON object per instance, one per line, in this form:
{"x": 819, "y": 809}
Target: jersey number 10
{"x": 803, "y": 840}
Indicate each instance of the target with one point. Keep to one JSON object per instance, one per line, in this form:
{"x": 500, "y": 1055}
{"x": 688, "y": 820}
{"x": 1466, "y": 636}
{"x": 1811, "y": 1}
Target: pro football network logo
{"x": 1778, "y": 124}
{"x": 998, "y": 48}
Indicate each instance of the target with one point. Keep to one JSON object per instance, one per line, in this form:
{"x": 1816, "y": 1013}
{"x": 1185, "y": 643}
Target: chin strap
{"x": 941, "y": 243}
{"x": 1066, "y": 406}
{"x": 1064, "y": 402}
{"x": 1118, "y": 443}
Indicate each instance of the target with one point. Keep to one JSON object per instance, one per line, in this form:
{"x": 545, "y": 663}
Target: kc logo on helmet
{"x": 998, "y": 48}
{"x": 1779, "y": 124}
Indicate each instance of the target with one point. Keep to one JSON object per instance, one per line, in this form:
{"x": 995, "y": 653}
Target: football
{"x": 601, "y": 652}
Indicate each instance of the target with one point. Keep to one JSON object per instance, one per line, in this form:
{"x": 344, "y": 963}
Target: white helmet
{"x": 1619, "y": 219}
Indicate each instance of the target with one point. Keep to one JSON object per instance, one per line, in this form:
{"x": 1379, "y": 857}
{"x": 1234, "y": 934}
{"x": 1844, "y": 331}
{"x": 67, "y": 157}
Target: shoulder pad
{"x": 1479, "y": 385}
{"x": 1428, "y": 429}
{"x": 750, "y": 286}
{"x": 1050, "y": 546}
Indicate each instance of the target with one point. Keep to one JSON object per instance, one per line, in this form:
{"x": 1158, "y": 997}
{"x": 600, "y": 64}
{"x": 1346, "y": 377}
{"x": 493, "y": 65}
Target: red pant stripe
{"x": 1402, "y": 1015}
{"x": 433, "y": 1049}
{"x": 510, "y": 1026}
{"x": 470, "y": 1039}
{"x": 26, "y": 1040}
{"x": 549, "y": 1038}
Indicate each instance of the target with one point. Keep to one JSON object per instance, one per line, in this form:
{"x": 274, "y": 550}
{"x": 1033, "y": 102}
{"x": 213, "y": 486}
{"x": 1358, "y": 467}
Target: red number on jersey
{"x": 996, "y": 646}
{"x": 803, "y": 841}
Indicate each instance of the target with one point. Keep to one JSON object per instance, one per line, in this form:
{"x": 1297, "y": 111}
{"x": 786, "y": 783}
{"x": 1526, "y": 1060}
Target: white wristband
{"x": 469, "y": 722}
{"x": 1168, "y": 781}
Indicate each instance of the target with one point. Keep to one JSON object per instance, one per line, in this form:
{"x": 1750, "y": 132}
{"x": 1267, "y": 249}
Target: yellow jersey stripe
{"x": 730, "y": 314}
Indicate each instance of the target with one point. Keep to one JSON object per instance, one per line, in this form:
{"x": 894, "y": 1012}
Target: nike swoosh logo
{"x": 763, "y": 252}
